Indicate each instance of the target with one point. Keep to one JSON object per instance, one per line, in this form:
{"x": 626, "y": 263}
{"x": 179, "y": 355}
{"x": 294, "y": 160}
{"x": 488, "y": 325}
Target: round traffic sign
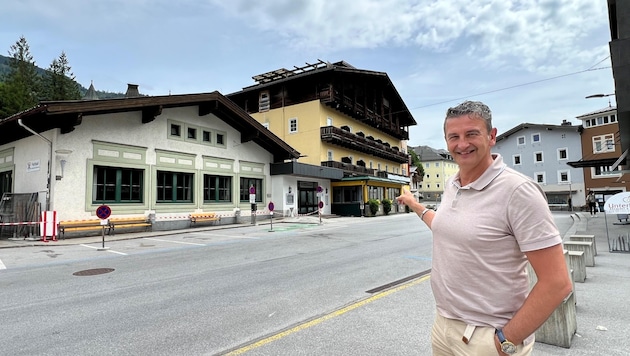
{"x": 321, "y": 204}
{"x": 252, "y": 190}
{"x": 271, "y": 206}
{"x": 319, "y": 189}
{"x": 103, "y": 212}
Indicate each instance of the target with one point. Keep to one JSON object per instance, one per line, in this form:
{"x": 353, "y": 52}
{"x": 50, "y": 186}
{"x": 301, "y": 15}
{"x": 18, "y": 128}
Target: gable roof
{"x": 527, "y": 125}
{"x": 429, "y": 154}
{"x": 65, "y": 115}
{"x": 324, "y": 71}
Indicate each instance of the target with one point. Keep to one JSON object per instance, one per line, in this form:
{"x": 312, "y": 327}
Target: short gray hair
{"x": 471, "y": 108}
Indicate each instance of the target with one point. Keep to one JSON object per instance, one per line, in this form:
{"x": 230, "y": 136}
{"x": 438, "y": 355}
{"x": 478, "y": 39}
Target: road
{"x": 299, "y": 289}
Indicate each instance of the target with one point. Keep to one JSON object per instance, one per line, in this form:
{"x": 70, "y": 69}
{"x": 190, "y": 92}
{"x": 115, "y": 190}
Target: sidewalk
{"x": 603, "y": 300}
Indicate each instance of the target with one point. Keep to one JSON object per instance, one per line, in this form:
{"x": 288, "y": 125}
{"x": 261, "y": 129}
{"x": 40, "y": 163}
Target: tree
{"x": 21, "y": 84}
{"x": 59, "y": 81}
{"x": 415, "y": 161}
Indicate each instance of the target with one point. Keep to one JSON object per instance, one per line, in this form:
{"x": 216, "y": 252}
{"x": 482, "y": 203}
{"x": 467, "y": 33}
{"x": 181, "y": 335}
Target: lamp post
{"x": 600, "y": 96}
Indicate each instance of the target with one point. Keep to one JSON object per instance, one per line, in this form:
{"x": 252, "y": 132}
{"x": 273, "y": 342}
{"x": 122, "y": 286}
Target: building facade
{"x": 340, "y": 117}
{"x": 542, "y": 152}
{"x": 161, "y": 157}
{"x": 438, "y": 166}
{"x": 601, "y": 150}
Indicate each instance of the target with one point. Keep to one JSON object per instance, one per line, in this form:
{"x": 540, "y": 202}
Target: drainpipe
{"x": 49, "y": 160}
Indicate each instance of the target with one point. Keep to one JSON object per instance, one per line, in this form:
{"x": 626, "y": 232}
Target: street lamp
{"x": 600, "y": 96}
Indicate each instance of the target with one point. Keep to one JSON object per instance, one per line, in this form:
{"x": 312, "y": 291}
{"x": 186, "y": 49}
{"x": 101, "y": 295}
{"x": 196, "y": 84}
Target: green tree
{"x": 59, "y": 81}
{"x": 415, "y": 161}
{"x": 21, "y": 84}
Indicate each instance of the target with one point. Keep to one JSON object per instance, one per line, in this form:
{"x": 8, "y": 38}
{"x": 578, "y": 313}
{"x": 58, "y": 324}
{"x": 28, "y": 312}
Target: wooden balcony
{"x": 346, "y": 139}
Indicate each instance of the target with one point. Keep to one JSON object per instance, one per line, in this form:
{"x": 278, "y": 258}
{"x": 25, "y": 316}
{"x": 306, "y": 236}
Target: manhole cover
{"x": 93, "y": 272}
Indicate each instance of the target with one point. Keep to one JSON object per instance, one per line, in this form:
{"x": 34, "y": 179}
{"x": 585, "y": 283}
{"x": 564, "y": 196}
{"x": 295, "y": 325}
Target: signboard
{"x": 618, "y": 204}
{"x": 252, "y": 195}
{"x": 103, "y": 212}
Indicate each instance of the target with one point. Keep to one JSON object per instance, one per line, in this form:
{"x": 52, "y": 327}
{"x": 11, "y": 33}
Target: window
{"x": 217, "y": 189}
{"x": 117, "y": 185}
{"x": 293, "y": 125}
{"x": 535, "y": 138}
{"x": 192, "y": 133}
{"x": 520, "y": 140}
{"x": 246, "y": 183}
{"x": 264, "y": 101}
{"x": 538, "y": 157}
{"x": 562, "y": 154}
{"x": 174, "y": 187}
{"x": 220, "y": 139}
{"x": 604, "y": 143}
{"x": 427, "y": 165}
{"x": 540, "y": 177}
{"x": 437, "y": 164}
{"x": 329, "y": 121}
{"x": 176, "y": 130}
{"x": 516, "y": 160}
{"x": 564, "y": 177}
{"x": 5, "y": 182}
{"x": 207, "y": 136}
{"x": 376, "y": 192}
{"x": 330, "y": 156}
{"x": 603, "y": 172}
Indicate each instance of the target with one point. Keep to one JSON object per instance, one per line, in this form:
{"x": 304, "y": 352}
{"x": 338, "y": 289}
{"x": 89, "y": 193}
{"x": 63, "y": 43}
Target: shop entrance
{"x": 307, "y": 197}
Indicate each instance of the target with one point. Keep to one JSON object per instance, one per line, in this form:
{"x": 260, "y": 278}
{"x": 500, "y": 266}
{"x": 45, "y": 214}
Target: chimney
{"x": 132, "y": 91}
{"x": 565, "y": 123}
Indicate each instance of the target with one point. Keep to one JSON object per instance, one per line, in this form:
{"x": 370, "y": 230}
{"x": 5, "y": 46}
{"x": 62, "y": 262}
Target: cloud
{"x": 518, "y": 33}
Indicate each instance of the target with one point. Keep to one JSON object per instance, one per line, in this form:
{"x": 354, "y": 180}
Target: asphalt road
{"x": 340, "y": 288}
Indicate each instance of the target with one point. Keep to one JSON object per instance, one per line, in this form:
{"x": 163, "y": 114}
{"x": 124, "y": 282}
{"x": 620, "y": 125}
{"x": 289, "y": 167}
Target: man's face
{"x": 469, "y": 141}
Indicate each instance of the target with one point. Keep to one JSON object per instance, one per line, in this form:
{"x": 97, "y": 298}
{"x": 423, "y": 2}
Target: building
{"x": 543, "y": 152}
{"x": 601, "y": 149}
{"x": 340, "y": 117}
{"x": 162, "y": 157}
{"x": 438, "y": 166}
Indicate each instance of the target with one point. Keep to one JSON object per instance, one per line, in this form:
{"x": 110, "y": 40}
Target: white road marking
{"x": 175, "y": 242}
{"x": 96, "y": 248}
{"x": 2, "y": 266}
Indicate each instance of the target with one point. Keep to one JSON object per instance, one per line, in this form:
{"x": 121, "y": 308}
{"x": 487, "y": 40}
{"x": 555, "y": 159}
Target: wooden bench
{"x": 586, "y": 247}
{"x": 203, "y": 217}
{"x": 81, "y": 225}
{"x": 588, "y": 238}
{"x": 129, "y": 222}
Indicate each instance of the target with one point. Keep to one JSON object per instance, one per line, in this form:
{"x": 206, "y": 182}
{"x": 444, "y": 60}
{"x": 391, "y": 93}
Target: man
{"x": 591, "y": 203}
{"x": 491, "y": 222}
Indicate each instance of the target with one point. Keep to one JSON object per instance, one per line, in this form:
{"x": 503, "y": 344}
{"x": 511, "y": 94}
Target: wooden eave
{"x": 65, "y": 115}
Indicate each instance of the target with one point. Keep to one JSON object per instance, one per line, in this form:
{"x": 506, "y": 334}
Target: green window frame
{"x": 246, "y": 183}
{"x": 217, "y": 189}
{"x": 6, "y": 182}
{"x": 174, "y": 187}
{"x": 117, "y": 185}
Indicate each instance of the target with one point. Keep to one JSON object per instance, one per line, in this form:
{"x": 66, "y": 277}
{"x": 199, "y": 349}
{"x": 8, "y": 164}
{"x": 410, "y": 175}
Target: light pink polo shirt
{"x": 480, "y": 233}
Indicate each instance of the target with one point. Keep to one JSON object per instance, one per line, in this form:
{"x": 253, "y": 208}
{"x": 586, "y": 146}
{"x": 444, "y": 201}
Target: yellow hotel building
{"x": 340, "y": 117}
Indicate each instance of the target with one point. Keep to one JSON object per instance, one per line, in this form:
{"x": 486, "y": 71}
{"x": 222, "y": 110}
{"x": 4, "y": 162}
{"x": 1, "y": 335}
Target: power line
{"x": 515, "y": 86}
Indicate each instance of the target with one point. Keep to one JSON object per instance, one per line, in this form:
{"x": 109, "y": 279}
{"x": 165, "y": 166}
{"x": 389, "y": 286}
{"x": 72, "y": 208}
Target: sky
{"x": 530, "y": 61}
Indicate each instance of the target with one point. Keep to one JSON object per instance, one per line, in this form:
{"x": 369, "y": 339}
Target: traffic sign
{"x": 103, "y": 212}
{"x": 321, "y": 204}
{"x": 319, "y": 189}
{"x": 270, "y": 206}
{"x": 252, "y": 190}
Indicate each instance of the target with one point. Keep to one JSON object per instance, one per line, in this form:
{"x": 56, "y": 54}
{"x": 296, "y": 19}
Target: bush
{"x": 374, "y": 204}
{"x": 387, "y": 206}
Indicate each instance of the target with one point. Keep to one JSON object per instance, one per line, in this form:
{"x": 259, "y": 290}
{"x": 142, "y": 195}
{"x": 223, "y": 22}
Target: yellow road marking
{"x": 321, "y": 319}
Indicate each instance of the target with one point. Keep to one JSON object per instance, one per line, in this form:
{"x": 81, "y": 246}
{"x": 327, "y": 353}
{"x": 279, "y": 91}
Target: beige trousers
{"x": 447, "y": 334}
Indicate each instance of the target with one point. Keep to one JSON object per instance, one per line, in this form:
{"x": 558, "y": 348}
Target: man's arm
{"x": 410, "y": 200}
{"x": 552, "y": 287}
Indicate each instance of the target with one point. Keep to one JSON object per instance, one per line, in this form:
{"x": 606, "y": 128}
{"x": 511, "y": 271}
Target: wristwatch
{"x": 506, "y": 346}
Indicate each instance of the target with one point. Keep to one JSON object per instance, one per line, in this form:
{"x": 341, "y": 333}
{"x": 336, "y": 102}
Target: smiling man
{"x": 491, "y": 223}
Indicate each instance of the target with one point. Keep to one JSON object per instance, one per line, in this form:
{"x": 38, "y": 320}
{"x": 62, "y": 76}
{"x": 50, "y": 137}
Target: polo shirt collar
{"x": 487, "y": 177}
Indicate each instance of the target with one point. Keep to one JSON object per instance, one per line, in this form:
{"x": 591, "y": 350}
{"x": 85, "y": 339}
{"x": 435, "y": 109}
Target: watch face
{"x": 508, "y": 347}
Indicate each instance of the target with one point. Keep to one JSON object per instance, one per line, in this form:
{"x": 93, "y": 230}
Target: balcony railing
{"x": 347, "y": 139}
{"x": 350, "y": 168}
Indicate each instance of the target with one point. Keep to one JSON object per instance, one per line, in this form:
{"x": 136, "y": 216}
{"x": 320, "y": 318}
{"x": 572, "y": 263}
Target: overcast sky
{"x": 529, "y": 60}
